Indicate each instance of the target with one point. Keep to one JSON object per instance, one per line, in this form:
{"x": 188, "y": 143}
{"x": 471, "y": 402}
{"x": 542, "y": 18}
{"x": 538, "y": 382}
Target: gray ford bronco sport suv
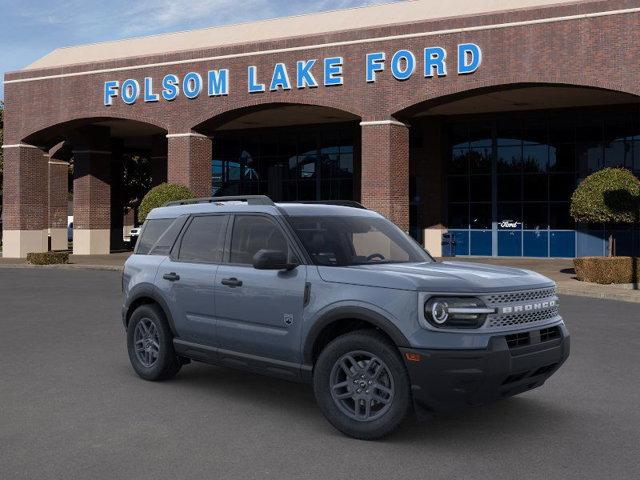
{"x": 339, "y": 297}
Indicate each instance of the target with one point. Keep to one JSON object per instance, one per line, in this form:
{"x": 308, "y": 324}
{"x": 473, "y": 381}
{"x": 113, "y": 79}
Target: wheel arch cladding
{"x": 343, "y": 320}
{"x": 145, "y": 295}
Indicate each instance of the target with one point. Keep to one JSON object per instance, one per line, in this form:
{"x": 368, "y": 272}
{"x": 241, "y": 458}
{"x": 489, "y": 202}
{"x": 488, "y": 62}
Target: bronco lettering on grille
{"x": 528, "y": 307}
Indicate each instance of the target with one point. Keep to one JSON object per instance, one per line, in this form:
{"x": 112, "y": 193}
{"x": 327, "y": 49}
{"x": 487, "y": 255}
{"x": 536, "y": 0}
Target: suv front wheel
{"x": 150, "y": 344}
{"x": 361, "y": 385}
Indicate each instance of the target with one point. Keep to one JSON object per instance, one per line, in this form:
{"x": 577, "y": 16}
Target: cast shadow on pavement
{"x": 521, "y": 415}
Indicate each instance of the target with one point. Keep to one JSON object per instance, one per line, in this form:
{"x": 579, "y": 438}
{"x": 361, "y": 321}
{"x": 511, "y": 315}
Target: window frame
{"x": 175, "y": 250}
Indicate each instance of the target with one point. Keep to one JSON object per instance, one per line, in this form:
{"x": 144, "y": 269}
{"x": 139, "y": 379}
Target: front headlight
{"x": 456, "y": 312}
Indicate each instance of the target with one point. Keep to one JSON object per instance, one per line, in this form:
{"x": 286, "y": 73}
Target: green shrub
{"x": 48, "y": 258}
{"x": 607, "y": 270}
{"x": 158, "y": 196}
{"x": 611, "y": 195}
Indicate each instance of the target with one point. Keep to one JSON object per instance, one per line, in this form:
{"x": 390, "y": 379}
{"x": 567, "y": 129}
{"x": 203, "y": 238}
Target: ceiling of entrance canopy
{"x": 286, "y": 115}
{"x": 529, "y": 98}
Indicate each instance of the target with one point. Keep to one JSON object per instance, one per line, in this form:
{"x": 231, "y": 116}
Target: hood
{"x": 437, "y": 277}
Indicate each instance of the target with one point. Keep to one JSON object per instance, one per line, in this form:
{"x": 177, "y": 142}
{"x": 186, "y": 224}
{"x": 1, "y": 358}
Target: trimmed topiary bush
{"x": 611, "y": 195}
{"x": 48, "y": 258}
{"x": 607, "y": 270}
{"x": 158, "y": 196}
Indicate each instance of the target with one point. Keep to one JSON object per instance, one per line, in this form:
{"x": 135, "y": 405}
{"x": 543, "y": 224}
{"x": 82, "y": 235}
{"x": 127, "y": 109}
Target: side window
{"x": 253, "y": 233}
{"x": 151, "y": 232}
{"x": 204, "y": 239}
{"x": 168, "y": 238}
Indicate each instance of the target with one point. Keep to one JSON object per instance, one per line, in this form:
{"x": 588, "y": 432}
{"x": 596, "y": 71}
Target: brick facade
{"x": 385, "y": 170}
{"x": 25, "y": 188}
{"x": 589, "y": 44}
{"x": 189, "y": 162}
{"x": 92, "y": 189}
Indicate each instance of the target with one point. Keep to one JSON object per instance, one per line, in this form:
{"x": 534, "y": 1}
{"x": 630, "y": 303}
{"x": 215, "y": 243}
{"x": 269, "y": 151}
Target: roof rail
{"x": 341, "y": 203}
{"x": 250, "y": 199}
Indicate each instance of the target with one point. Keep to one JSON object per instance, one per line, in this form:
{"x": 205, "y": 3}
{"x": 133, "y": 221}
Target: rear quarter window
{"x": 151, "y": 232}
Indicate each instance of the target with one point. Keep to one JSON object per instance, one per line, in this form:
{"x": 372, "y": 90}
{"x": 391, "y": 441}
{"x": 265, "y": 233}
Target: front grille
{"x": 524, "y": 339}
{"x": 550, "y": 333}
{"x": 522, "y": 299}
{"x": 524, "y": 318}
{"x": 518, "y": 339}
{"x": 517, "y": 297}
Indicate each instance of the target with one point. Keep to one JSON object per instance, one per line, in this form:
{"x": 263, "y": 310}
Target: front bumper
{"x": 448, "y": 379}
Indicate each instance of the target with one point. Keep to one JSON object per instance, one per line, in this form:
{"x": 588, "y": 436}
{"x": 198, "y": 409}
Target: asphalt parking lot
{"x": 71, "y": 407}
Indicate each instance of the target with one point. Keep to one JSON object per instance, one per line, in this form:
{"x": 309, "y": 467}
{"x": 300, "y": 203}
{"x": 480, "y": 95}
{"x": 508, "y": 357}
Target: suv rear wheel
{"x": 361, "y": 385}
{"x": 150, "y": 344}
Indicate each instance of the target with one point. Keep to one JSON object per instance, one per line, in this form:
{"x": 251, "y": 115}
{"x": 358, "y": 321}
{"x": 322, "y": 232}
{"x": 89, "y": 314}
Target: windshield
{"x": 359, "y": 240}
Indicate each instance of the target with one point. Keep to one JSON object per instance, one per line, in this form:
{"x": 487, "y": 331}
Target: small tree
{"x": 611, "y": 195}
{"x": 136, "y": 180}
{"x": 158, "y": 196}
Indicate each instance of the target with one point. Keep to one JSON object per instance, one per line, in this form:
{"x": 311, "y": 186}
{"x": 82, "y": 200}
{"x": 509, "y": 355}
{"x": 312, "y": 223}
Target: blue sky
{"x": 30, "y": 29}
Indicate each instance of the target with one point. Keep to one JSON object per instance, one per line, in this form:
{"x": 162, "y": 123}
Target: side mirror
{"x": 272, "y": 260}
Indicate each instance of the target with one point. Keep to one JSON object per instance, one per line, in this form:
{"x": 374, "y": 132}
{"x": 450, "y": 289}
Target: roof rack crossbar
{"x": 250, "y": 199}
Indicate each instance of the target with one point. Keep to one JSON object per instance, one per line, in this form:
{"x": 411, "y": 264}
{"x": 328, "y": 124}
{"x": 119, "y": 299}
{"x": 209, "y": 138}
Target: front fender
{"x": 367, "y": 313}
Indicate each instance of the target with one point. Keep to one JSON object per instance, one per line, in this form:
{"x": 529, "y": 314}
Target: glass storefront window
{"x": 559, "y": 217}
{"x": 618, "y": 154}
{"x": 510, "y": 159}
{"x": 562, "y": 157}
{"x": 589, "y": 157}
{"x": 535, "y": 216}
{"x": 459, "y": 163}
{"x": 458, "y": 215}
{"x": 458, "y": 189}
{"x": 561, "y": 186}
{"x": 535, "y": 158}
{"x": 296, "y": 163}
{"x": 538, "y": 159}
{"x": 480, "y": 216}
{"x": 480, "y": 159}
{"x": 510, "y": 187}
{"x": 509, "y": 215}
{"x": 535, "y": 188}
{"x": 481, "y": 188}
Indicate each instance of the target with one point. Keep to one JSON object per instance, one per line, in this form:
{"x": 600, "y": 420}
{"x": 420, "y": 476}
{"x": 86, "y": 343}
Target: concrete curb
{"x": 68, "y": 266}
{"x": 631, "y": 297}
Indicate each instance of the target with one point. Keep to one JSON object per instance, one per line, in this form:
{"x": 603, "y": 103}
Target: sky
{"x": 29, "y": 29}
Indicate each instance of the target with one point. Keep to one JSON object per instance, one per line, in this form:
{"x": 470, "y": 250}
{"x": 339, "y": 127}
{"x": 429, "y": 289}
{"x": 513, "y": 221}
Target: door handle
{"x": 172, "y": 277}
{"x": 231, "y": 282}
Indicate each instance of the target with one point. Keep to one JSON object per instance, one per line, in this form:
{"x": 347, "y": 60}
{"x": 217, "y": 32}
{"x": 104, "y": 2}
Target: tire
{"x": 158, "y": 360}
{"x": 343, "y": 394}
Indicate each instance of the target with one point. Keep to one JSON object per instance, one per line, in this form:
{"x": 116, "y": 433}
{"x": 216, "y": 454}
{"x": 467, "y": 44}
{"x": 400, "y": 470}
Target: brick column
{"x": 158, "y": 160}
{"x": 189, "y": 162}
{"x": 385, "y": 170}
{"x": 91, "y": 191}
{"x": 25, "y": 212}
{"x": 58, "y": 191}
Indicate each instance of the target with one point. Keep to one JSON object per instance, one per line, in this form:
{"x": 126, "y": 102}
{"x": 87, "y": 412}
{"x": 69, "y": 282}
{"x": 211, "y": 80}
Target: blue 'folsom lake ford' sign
{"x": 309, "y": 73}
